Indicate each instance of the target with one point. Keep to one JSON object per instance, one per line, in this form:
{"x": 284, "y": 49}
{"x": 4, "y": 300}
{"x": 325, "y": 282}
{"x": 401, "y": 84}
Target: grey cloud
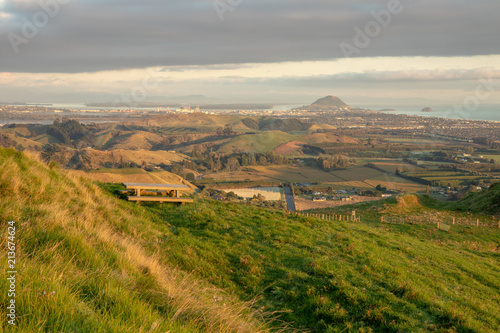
{"x": 90, "y": 35}
{"x": 421, "y": 75}
{"x": 205, "y": 67}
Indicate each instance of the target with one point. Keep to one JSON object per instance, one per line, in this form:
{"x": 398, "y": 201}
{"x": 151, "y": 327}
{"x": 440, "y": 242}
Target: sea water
{"x": 489, "y": 112}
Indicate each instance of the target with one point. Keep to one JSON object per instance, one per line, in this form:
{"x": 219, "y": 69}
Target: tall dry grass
{"x": 41, "y": 198}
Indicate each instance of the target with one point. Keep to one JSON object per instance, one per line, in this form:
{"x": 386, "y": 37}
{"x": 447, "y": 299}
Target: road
{"x": 290, "y": 201}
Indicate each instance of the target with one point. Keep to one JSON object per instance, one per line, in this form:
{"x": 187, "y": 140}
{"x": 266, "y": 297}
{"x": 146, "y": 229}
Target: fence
{"x": 333, "y": 217}
{"x": 439, "y": 221}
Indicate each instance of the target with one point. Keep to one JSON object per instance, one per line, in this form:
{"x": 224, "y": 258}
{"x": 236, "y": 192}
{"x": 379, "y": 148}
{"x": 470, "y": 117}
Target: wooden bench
{"x": 173, "y": 192}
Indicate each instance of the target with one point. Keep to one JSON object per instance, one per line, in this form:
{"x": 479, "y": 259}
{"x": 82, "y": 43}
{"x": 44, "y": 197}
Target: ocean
{"x": 490, "y": 112}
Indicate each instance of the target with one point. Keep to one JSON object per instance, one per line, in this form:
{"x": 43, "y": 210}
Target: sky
{"x": 380, "y": 53}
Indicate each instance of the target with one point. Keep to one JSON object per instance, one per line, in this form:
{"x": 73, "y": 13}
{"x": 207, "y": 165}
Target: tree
{"x": 469, "y": 150}
{"x": 251, "y": 159}
{"x": 217, "y": 165}
{"x": 259, "y": 197}
{"x": 177, "y": 168}
{"x": 196, "y": 154}
{"x": 190, "y": 176}
{"x": 233, "y": 164}
{"x": 428, "y": 190}
{"x": 228, "y": 130}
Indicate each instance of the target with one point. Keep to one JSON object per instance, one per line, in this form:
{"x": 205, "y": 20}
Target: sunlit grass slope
{"x": 115, "y": 266}
{"x": 88, "y": 262}
{"x": 340, "y": 276}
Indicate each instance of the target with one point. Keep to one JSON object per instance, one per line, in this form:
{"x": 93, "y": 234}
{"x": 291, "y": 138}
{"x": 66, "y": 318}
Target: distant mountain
{"x": 326, "y": 103}
{"x": 330, "y": 102}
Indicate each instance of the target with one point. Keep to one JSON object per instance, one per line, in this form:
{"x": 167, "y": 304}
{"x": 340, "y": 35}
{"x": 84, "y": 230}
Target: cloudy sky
{"x": 282, "y": 51}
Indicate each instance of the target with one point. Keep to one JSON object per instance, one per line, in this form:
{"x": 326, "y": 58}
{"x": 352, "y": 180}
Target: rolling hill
{"x": 92, "y": 263}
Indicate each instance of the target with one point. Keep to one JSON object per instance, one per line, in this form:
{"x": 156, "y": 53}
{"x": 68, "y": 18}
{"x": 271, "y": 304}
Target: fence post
{"x": 477, "y": 222}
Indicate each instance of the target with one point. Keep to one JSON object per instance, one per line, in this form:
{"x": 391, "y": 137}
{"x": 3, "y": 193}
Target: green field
{"x": 357, "y": 177}
{"x": 261, "y": 142}
{"x": 443, "y": 177}
{"x": 425, "y": 141}
{"x": 390, "y": 165}
{"x": 495, "y": 157}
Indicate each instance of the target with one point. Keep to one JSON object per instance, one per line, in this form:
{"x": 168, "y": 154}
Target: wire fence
{"x": 333, "y": 217}
{"x": 439, "y": 221}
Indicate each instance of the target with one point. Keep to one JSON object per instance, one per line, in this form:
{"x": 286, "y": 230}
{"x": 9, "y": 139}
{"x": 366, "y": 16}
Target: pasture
{"x": 391, "y": 164}
{"x": 494, "y": 157}
{"x": 357, "y": 177}
{"x": 261, "y": 142}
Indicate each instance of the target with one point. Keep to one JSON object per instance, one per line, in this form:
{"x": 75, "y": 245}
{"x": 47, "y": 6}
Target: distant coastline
{"x": 484, "y": 112}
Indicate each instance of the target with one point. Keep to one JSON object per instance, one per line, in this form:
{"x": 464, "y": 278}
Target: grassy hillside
{"x": 88, "y": 262}
{"x": 261, "y": 142}
{"x": 485, "y": 201}
{"x": 342, "y": 277}
{"x": 115, "y": 266}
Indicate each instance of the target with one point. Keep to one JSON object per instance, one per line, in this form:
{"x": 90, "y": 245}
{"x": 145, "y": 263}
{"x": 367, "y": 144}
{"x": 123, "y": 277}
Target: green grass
{"x": 416, "y": 140}
{"x": 481, "y": 202}
{"x": 495, "y": 157}
{"x": 262, "y": 142}
{"x": 116, "y": 266}
{"x": 334, "y": 276}
{"x": 88, "y": 262}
